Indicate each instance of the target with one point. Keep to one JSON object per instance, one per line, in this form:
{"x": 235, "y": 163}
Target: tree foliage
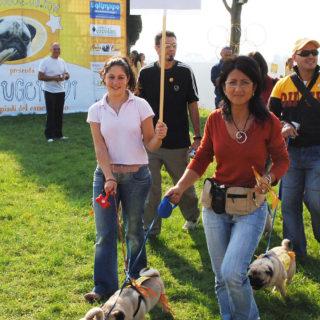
{"x": 235, "y": 33}
{"x": 134, "y": 28}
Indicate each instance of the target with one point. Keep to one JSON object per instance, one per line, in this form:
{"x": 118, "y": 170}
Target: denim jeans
{"x": 132, "y": 191}
{"x": 231, "y": 242}
{"x": 301, "y": 184}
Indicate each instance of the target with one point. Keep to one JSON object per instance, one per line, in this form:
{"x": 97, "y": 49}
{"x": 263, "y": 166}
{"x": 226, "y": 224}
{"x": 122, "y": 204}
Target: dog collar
{"x": 264, "y": 255}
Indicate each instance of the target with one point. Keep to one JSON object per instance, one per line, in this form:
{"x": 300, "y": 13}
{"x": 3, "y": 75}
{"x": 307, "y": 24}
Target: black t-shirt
{"x": 179, "y": 90}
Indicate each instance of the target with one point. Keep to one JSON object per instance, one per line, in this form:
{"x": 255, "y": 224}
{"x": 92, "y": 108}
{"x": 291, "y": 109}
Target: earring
{"x": 253, "y": 93}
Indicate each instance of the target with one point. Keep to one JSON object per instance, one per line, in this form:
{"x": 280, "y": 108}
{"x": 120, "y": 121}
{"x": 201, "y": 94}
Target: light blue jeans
{"x": 232, "y": 241}
{"x": 301, "y": 184}
{"x": 132, "y": 191}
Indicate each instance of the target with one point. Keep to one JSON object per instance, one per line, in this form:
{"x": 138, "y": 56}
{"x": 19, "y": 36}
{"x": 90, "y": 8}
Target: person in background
{"x": 180, "y": 96}
{"x": 267, "y": 81}
{"x": 244, "y": 127}
{"x": 267, "y": 86}
{"x": 53, "y": 71}
{"x": 225, "y": 53}
{"x": 142, "y": 59}
{"x": 133, "y": 55}
{"x": 136, "y": 63}
{"x": 121, "y": 126}
{"x": 288, "y": 67}
{"x": 301, "y": 119}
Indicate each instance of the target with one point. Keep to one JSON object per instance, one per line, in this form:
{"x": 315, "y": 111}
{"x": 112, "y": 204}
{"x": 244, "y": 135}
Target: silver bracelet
{"x": 268, "y": 178}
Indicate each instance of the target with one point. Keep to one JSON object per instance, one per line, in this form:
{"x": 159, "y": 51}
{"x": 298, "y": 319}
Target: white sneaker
{"x": 64, "y": 138}
{"x": 190, "y": 225}
{"x": 50, "y": 140}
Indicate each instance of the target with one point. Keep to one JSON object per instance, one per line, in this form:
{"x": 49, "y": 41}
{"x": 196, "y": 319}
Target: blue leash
{"x": 275, "y": 210}
{"x": 127, "y": 279}
{"x": 164, "y": 211}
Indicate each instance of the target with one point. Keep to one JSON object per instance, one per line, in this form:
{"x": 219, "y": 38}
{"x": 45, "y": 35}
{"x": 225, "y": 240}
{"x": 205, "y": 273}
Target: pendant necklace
{"x": 241, "y": 135}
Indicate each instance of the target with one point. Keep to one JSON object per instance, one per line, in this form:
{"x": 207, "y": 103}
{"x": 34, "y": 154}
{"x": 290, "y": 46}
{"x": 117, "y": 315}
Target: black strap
{"x": 139, "y": 304}
{"x": 140, "y": 297}
{"x": 305, "y": 91}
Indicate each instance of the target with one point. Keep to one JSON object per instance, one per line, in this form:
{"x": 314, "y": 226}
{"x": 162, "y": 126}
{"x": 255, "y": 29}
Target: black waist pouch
{"x": 218, "y": 198}
{"x": 213, "y": 196}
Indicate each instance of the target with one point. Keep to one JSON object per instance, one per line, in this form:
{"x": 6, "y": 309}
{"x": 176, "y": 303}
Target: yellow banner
{"x": 89, "y": 32}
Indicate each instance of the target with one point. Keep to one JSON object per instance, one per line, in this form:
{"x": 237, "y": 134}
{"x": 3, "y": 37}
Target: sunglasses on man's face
{"x": 306, "y": 53}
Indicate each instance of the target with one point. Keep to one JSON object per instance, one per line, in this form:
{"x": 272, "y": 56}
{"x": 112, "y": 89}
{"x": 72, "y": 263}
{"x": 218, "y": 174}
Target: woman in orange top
{"x": 239, "y": 135}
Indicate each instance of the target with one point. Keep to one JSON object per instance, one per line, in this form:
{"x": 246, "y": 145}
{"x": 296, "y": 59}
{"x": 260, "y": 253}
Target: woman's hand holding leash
{"x": 262, "y": 187}
{"x": 175, "y": 193}
{"x": 110, "y": 186}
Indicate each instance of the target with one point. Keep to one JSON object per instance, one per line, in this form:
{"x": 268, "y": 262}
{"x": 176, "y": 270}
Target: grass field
{"x": 47, "y": 236}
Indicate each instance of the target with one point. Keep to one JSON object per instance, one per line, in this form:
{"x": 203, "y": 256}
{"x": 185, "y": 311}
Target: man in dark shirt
{"x": 180, "y": 96}
{"x": 225, "y": 53}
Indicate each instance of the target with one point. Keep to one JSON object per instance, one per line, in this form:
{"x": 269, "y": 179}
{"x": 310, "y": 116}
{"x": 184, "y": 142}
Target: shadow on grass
{"x": 68, "y": 164}
{"x": 201, "y": 279}
{"x": 296, "y": 306}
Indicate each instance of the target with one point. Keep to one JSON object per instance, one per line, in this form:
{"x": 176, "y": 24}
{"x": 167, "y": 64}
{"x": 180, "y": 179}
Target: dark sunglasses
{"x": 306, "y": 53}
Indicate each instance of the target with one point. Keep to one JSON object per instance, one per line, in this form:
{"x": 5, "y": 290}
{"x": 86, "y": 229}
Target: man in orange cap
{"x": 296, "y": 101}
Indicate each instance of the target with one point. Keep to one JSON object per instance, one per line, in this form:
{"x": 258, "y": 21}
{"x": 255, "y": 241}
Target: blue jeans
{"x": 231, "y": 242}
{"x": 301, "y": 184}
{"x": 132, "y": 191}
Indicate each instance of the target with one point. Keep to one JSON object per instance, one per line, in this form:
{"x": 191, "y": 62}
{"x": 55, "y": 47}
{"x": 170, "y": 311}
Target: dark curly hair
{"x": 123, "y": 62}
{"x": 250, "y": 68}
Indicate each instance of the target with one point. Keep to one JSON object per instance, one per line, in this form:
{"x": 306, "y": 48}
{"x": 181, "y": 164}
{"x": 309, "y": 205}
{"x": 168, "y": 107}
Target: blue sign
{"x": 104, "y": 10}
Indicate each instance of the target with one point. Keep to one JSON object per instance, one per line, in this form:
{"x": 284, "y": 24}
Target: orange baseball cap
{"x": 299, "y": 44}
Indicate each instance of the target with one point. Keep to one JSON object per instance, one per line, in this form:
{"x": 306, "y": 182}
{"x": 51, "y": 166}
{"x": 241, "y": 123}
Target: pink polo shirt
{"x": 122, "y": 133}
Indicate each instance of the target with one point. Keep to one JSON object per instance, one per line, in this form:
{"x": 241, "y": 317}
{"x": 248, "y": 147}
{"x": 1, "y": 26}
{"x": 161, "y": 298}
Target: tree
{"x": 235, "y": 12}
{"x": 134, "y": 28}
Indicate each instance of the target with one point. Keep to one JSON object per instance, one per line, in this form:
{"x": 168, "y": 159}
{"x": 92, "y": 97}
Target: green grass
{"x": 47, "y": 236}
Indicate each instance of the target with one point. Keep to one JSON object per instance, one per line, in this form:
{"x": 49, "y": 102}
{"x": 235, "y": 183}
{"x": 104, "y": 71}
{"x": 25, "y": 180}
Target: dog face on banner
{"x": 16, "y": 37}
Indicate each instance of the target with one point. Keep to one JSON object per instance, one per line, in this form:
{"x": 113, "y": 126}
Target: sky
{"x": 268, "y": 26}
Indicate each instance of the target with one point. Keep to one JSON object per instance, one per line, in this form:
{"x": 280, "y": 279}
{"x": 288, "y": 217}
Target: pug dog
{"x": 273, "y": 268}
{"x": 15, "y": 36}
{"x": 131, "y": 304}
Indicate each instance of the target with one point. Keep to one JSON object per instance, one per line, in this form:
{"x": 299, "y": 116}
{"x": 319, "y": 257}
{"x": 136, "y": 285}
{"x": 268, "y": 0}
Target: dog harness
{"x": 142, "y": 290}
{"x": 145, "y": 291}
{"x": 286, "y": 258}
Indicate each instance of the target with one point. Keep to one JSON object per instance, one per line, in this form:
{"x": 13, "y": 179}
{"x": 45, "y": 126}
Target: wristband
{"x": 114, "y": 180}
{"x": 197, "y": 138}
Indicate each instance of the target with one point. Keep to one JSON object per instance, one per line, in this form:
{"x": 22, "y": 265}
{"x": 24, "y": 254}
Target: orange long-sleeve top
{"x": 234, "y": 160}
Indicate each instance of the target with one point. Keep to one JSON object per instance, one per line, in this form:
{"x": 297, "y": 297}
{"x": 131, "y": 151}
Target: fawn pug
{"x": 132, "y": 303}
{"x": 273, "y": 268}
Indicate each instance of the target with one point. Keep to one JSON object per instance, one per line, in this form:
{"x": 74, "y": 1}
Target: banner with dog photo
{"x": 89, "y": 32}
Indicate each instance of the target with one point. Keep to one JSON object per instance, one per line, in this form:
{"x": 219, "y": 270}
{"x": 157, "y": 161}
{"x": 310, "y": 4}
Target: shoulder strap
{"x": 305, "y": 91}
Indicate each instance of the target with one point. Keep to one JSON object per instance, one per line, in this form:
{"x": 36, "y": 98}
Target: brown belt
{"x": 123, "y": 168}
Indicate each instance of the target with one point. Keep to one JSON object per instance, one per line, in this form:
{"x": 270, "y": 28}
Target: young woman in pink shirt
{"x": 121, "y": 126}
